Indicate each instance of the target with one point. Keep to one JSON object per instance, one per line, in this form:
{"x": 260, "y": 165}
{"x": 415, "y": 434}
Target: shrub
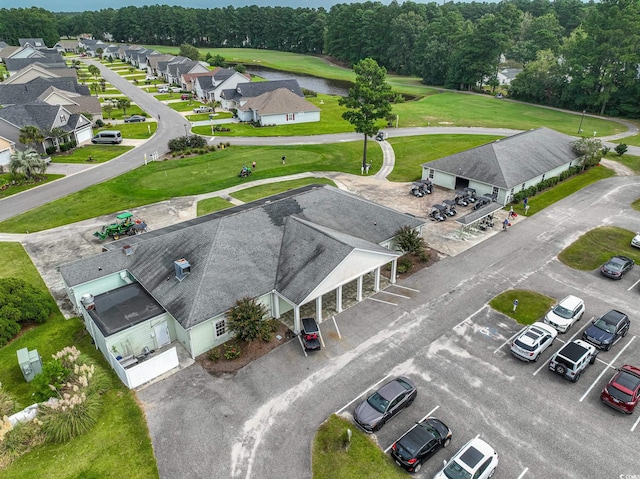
{"x": 245, "y": 319}
{"x": 409, "y": 240}
{"x": 214, "y": 354}
{"x": 7, "y": 404}
{"x": 231, "y": 351}
{"x": 50, "y": 150}
{"x": 19, "y": 440}
{"x": 404, "y": 264}
{"x": 70, "y": 416}
{"x": 621, "y": 148}
{"x": 99, "y": 123}
{"x": 49, "y": 380}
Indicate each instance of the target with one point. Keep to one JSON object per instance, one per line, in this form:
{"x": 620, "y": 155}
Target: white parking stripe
{"x": 336, "y": 325}
{"x": 468, "y": 318}
{"x": 425, "y": 417}
{"x": 361, "y": 394}
{"x": 404, "y": 287}
{"x": 380, "y": 301}
{"x": 302, "y": 346}
{"x": 509, "y": 340}
{"x": 633, "y": 285}
{"x": 394, "y": 294}
{"x": 635, "y": 424}
{"x": 606, "y": 369}
{"x": 523, "y": 473}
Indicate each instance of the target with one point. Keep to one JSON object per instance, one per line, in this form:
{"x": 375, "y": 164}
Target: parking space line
{"x": 361, "y": 394}
{"x": 380, "y": 301}
{"x": 607, "y": 369}
{"x": 508, "y": 340}
{"x": 302, "y": 346}
{"x": 404, "y": 287}
{"x": 468, "y": 318}
{"x": 395, "y": 294}
{"x": 540, "y": 368}
{"x": 411, "y": 428}
{"x": 635, "y": 424}
{"x": 336, "y": 325}
{"x": 523, "y": 473}
{"x": 633, "y": 285}
{"x": 535, "y": 373}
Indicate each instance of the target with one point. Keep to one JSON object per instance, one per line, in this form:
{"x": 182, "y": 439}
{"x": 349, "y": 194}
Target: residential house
{"x": 210, "y": 88}
{"x": 111, "y": 51}
{"x": 45, "y": 117}
{"x": 180, "y": 66}
{"x": 233, "y": 99}
{"x": 7, "y": 148}
{"x": 154, "y": 59}
{"x": 506, "y": 75}
{"x": 90, "y": 46}
{"x": 139, "y": 59}
{"x": 53, "y": 60}
{"x": 39, "y": 70}
{"x": 66, "y": 46}
{"x": 37, "y": 43}
{"x": 149, "y": 294}
{"x": 278, "y": 107}
{"x": 6, "y": 52}
{"x": 507, "y": 166}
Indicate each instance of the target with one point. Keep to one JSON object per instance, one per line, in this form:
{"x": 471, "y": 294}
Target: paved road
{"x": 437, "y": 329}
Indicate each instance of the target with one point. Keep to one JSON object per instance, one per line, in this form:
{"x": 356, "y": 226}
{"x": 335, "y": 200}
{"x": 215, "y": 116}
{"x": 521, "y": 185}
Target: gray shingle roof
{"x": 37, "y": 113}
{"x": 253, "y": 89}
{"x": 278, "y": 101}
{"x": 511, "y": 161}
{"x": 15, "y": 64}
{"x": 15, "y": 94}
{"x": 288, "y": 243}
{"x": 34, "y": 42}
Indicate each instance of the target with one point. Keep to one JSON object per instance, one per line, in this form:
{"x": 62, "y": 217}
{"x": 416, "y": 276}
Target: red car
{"x": 623, "y": 391}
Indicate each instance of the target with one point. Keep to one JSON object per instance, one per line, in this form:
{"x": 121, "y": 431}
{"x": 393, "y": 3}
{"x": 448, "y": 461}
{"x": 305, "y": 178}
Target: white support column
{"x": 376, "y": 282}
{"x": 339, "y": 299}
{"x": 276, "y": 305}
{"x": 319, "y": 309}
{"x": 359, "y": 292}
{"x": 296, "y": 320}
{"x": 394, "y": 270}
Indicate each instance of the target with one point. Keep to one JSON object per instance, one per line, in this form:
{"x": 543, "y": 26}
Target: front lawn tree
{"x": 246, "y": 319}
{"x": 368, "y": 100}
{"x": 31, "y": 136}
{"x": 123, "y": 104}
{"x": 28, "y": 162}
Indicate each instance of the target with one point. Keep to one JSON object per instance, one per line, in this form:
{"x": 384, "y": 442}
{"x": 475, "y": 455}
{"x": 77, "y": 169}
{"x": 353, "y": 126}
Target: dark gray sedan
{"x": 385, "y": 403}
{"x": 135, "y": 119}
{"x": 616, "y": 267}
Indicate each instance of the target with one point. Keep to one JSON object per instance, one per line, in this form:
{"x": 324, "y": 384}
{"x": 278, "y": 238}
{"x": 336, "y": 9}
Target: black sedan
{"x": 385, "y": 403}
{"x": 607, "y": 329}
{"x": 135, "y": 119}
{"x": 420, "y": 443}
{"x": 616, "y": 267}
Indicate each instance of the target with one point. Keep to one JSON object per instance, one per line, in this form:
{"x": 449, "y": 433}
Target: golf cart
{"x": 450, "y": 206}
{"x": 438, "y": 213}
{"x": 310, "y": 334}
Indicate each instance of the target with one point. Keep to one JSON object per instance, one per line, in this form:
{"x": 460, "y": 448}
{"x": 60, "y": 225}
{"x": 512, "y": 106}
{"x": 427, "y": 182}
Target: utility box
{"x": 30, "y": 363}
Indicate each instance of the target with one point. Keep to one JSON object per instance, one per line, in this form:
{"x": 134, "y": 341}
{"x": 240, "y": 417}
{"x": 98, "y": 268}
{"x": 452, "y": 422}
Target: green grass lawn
{"x": 119, "y": 442}
{"x": 331, "y": 460}
{"x": 595, "y": 247}
{"x": 210, "y": 205}
{"x": 412, "y": 151}
{"x": 118, "y": 114}
{"x": 629, "y": 161}
{"x": 183, "y": 106}
{"x": 457, "y": 109}
{"x": 262, "y": 191}
{"x": 133, "y": 131}
{"x": 97, "y": 153}
{"x": 219, "y": 115}
{"x": 12, "y": 190}
{"x": 636, "y": 205}
{"x": 531, "y": 305}
{"x": 564, "y": 189}
{"x": 160, "y": 181}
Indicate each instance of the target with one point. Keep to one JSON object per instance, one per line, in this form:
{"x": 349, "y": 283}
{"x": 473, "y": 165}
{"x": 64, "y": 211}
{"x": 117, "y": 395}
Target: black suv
{"x": 607, "y": 329}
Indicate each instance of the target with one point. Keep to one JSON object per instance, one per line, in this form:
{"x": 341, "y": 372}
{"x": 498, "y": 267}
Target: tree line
{"x": 581, "y": 56}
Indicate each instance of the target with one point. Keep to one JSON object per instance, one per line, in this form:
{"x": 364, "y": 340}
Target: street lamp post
{"x": 186, "y": 133}
{"x": 581, "y": 118}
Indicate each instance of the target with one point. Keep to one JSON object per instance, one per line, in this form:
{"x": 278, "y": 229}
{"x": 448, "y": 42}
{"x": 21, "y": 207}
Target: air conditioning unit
{"x": 182, "y": 267}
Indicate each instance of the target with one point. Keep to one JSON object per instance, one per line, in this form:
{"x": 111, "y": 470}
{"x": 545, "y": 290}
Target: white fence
{"x": 148, "y": 369}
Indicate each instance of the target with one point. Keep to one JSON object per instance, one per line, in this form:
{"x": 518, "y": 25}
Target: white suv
{"x": 476, "y": 459}
{"x": 565, "y": 313}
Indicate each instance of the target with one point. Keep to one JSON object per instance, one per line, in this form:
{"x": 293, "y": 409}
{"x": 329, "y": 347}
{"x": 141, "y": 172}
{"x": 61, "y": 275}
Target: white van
{"x": 108, "y": 136}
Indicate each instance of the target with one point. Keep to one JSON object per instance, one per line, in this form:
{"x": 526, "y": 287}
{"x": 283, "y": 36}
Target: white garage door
{"x": 84, "y": 135}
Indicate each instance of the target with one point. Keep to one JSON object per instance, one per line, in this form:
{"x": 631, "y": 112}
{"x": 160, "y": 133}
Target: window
{"x": 430, "y": 174}
{"x": 63, "y": 118}
{"x": 291, "y": 116}
{"x": 543, "y": 176}
{"x": 221, "y": 328}
{"x": 523, "y": 186}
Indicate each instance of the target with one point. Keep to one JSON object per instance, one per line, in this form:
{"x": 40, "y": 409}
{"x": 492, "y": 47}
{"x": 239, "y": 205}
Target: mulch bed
{"x": 255, "y": 349}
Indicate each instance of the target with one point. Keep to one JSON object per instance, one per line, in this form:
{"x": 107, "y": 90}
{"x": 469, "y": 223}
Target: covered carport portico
{"x": 358, "y": 274}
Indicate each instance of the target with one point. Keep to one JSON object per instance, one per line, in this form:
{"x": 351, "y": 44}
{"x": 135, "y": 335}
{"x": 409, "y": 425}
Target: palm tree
{"x": 94, "y": 70}
{"x": 27, "y": 162}
{"x": 124, "y": 103}
{"x": 31, "y": 136}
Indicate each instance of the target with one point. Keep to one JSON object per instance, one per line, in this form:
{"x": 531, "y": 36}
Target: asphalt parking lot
{"x": 436, "y": 329}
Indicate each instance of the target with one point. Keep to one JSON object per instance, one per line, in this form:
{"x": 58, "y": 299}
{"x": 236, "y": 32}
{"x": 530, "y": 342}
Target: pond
{"x": 319, "y": 85}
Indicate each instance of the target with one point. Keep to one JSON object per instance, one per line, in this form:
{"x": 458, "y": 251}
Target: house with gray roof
{"x": 506, "y": 166}
{"x": 54, "y": 60}
{"x": 232, "y": 99}
{"x": 39, "y": 70}
{"x": 16, "y": 93}
{"x": 90, "y": 46}
{"x": 7, "y": 148}
{"x": 36, "y": 43}
{"x": 210, "y": 87}
{"x": 170, "y": 288}
{"x": 45, "y": 117}
{"x": 278, "y": 107}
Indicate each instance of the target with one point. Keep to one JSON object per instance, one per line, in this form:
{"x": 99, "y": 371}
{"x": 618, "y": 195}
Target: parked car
{"x": 203, "y": 109}
{"x": 607, "y": 329}
{"x": 623, "y": 391}
{"x": 185, "y": 96}
{"x": 616, "y": 267}
{"x": 420, "y": 443}
{"x": 163, "y": 89}
{"x": 635, "y": 242}
{"x": 175, "y": 89}
{"x": 573, "y": 358}
{"x": 532, "y": 342}
{"x": 150, "y": 77}
{"x": 135, "y": 119}
{"x": 372, "y": 413}
{"x": 476, "y": 459}
{"x": 565, "y": 313}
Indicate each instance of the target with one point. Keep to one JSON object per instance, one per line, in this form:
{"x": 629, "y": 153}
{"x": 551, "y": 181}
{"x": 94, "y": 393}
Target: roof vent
{"x": 88, "y": 302}
{"x": 127, "y": 249}
{"x": 183, "y": 268}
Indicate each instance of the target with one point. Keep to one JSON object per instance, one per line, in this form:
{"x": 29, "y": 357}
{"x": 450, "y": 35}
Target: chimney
{"x": 182, "y": 267}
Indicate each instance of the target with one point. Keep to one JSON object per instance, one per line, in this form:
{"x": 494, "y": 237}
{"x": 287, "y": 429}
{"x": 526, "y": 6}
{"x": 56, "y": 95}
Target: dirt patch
{"x": 249, "y": 352}
{"x": 417, "y": 264}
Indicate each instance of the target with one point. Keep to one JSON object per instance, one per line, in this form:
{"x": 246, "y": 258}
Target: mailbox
{"x": 30, "y": 363}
